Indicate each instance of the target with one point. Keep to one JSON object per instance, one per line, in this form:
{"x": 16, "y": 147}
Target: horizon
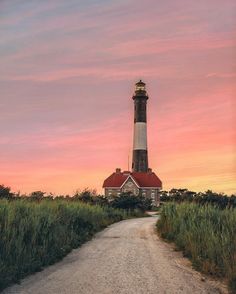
{"x": 67, "y": 77}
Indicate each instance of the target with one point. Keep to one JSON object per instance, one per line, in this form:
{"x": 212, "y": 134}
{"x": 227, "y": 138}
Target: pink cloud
{"x": 67, "y": 76}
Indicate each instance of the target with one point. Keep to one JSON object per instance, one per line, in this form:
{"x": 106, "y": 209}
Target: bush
{"x": 131, "y": 202}
{"x": 206, "y": 234}
{"x": 86, "y": 196}
{"x": 126, "y": 201}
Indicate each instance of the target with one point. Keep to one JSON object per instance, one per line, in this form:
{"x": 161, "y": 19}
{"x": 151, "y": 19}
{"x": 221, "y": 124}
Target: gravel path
{"x": 125, "y": 258}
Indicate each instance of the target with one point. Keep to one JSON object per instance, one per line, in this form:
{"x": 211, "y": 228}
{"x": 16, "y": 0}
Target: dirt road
{"x": 126, "y": 258}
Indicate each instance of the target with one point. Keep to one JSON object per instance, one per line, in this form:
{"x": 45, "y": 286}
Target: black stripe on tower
{"x": 140, "y": 161}
{"x": 140, "y": 105}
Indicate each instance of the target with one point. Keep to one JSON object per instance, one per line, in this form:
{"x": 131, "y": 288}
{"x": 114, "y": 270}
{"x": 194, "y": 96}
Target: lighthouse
{"x": 140, "y": 153}
{"x": 141, "y": 180}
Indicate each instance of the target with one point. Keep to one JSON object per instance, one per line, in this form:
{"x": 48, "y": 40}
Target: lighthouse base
{"x": 140, "y": 161}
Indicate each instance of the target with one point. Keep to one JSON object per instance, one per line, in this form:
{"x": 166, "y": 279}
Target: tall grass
{"x": 206, "y": 234}
{"x": 33, "y": 235}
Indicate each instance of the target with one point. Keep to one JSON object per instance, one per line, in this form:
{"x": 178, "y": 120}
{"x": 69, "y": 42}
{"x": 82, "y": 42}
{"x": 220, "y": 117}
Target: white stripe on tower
{"x": 140, "y": 136}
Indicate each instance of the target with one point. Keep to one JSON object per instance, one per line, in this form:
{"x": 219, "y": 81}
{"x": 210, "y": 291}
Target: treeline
{"x": 124, "y": 201}
{"x": 180, "y": 195}
{"x": 206, "y": 234}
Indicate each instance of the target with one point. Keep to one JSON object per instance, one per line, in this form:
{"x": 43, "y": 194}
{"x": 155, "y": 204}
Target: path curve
{"x": 126, "y": 258}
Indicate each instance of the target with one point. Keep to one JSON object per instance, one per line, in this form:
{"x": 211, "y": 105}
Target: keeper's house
{"x": 146, "y": 184}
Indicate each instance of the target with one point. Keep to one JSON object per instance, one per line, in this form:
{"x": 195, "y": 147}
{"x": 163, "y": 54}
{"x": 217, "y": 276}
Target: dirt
{"x": 126, "y": 258}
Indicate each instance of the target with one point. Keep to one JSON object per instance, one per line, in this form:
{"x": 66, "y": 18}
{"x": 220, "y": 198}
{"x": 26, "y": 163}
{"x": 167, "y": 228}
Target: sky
{"x": 67, "y": 75}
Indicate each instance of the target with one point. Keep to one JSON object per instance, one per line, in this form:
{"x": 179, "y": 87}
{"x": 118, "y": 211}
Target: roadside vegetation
{"x": 205, "y": 233}
{"x": 39, "y": 229}
{"x": 183, "y": 195}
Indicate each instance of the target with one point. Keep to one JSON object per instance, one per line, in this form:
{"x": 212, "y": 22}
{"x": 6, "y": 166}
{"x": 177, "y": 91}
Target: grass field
{"x": 36, "y": 234}
{"x": 206, "y": 234}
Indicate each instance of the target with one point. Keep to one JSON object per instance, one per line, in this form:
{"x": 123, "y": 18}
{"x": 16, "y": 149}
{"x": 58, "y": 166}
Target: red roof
{"x": 148, "y": 179}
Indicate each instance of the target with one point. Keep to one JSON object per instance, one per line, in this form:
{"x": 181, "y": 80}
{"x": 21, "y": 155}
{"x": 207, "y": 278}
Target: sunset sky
{"x": 67, "y": 75}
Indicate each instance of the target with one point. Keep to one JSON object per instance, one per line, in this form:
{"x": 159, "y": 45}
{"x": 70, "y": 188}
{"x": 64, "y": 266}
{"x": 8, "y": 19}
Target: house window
{"x": 153, "y": 195}
{"x": 118, "y": 194}
{"x": 144, "y": 194}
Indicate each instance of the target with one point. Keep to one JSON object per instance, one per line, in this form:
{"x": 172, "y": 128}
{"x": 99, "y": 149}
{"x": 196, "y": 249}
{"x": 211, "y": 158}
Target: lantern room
{"x": 140, "y": 86}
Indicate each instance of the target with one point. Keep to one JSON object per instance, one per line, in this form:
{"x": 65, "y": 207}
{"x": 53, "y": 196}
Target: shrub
{"x": 130, "y": 201}
{"x": 86, "y": 196}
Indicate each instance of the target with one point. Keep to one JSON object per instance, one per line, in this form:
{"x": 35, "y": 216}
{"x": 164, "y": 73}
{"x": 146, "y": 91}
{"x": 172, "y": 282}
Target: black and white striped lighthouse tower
{"x": 140, "y": 153}
{"x": 141, "y": 180}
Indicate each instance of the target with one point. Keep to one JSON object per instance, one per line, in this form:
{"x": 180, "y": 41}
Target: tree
{"x": 5, "y": 192}
{"x": 87, "y": 195}
{"x": 37, "y": 195}
{"x": 164, "y": 196}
